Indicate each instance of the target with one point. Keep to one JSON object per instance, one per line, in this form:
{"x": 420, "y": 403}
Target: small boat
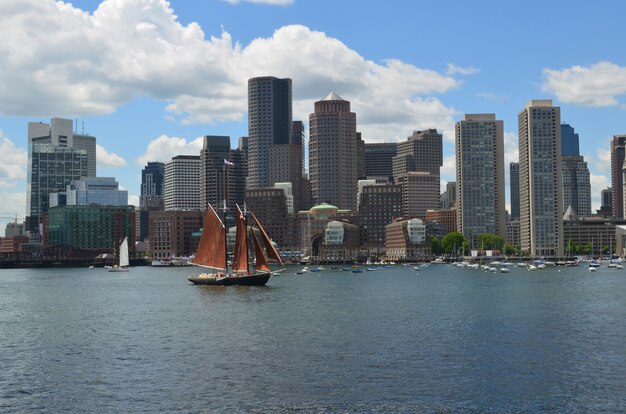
{"x": 505, "y": 270}
{"x": 357, "y": 270}
{"x": 592, "y": 269}
{"x": 532, "y": 268}
{"x": 211, "y": 252}
{"x": 123, "y": 261}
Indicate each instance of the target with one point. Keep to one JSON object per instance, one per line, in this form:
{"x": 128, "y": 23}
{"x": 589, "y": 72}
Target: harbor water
{"x": 438, "y": 340}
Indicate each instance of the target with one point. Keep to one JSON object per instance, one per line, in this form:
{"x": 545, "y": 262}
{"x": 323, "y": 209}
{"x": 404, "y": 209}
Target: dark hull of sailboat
{"x": 256, "y": 279}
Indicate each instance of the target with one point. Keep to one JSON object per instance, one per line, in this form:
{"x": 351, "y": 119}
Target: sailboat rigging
{"x": 123, "y": 259}
{"x": 212, "y": 252}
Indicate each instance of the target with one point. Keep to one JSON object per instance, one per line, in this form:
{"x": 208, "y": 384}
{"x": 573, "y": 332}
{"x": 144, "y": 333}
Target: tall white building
{"x": 182, "y": 183}
{"x": 540, "y": 180}
{"x": 479, "y": 141}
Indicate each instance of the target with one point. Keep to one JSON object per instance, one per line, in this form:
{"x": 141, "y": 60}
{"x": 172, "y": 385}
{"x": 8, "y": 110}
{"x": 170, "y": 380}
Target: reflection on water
{"x": 393, "y": 340}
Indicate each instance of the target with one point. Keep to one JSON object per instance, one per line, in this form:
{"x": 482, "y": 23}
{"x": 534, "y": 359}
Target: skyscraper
{"x": 269, "y": 123}
{"x": 576, "y": 179}
{"x": 541, "y": 197}
{"x": 569, "y": 141}
{"x": 213, "y": 170}
{"x": 379, "y": 159}
{"x": 514, "y": 189}
{"x": 333, "y": 153}
{"x": 576, "y": 184}
{"x": 417, "y": 168}
{"x": 56, "y": 156}
{"x": 182, "y": 180}
{"x": 618, "y": 149}
{"x": 479, "y": 142}
{"x": 151, "y": 196}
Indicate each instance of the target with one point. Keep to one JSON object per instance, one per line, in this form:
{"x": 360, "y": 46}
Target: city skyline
{"x": 148, "y": 102}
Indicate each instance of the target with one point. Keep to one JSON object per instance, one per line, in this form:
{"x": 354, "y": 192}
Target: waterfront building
{"x": 312, "y": 224}
{"x": 598, "y": 231}
{"x": 214, "y": 170}
{"x": 102, "y": 191}
{"x": 269, "y": 123}
{"x": 569, "y": 141}
{"x": 511, "y": 235}
{"x": 446, "y": 217}
{"x": 378, "y": 206}
{"x": 420, "y": 192}
{"x": 514, "y": 189}
{"x": 181, "y": 182}
{"x": 576, "y": 184}
{"x": 174, "y": 233}
{"x": 91, "y": 227}
{"x": 13, "y": 244}
{"x": 379, "y": 159}
{"x": 618, "y": 151}
{"x": 541, "y": 186}
{"x": 479, "y": 141}
{"x": 333, "y": 152}
{"x": 341, "y": 242}
{"x": 56, "y": 156}
{"x": 406, "y": 240}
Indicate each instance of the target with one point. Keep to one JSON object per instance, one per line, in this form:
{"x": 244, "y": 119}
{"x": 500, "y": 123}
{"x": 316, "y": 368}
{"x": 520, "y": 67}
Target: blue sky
{"x": 148, "y": 77}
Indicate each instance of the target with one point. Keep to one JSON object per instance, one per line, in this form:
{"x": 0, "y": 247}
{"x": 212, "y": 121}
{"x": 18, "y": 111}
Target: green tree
{"x": 454, "y": 243}
{"x": 435, "y": 246}
{"x": 488, "y": 241}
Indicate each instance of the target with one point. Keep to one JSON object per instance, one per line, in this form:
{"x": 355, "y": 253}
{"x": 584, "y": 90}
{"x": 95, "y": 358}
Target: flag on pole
{"x": 226, "y": 162}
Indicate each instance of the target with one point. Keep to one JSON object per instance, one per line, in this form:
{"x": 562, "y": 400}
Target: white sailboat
{"x": 123, "y": 263}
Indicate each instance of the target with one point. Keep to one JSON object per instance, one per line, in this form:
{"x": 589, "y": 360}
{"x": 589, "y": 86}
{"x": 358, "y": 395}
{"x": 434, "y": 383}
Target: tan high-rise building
{"x": 333, "y": 153}
{"x": 540, "y": 181}
{"x": 417, "y": 168}
{"x": 479, "y": 143}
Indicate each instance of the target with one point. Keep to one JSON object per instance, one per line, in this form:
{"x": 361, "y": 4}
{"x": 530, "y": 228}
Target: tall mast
{"x": 224, "y": 170}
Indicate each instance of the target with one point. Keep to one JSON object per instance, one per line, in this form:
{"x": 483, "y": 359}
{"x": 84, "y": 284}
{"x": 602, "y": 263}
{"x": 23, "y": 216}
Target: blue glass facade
{"x": 569, "y": 141}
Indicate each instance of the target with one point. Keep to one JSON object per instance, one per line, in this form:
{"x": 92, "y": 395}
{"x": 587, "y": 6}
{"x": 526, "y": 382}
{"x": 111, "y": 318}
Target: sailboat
{"x": 123, "y": 263}
{"x": 212, "y": 252}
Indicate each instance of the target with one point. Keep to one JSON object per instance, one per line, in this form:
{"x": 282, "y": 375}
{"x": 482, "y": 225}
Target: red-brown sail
{"x": 269, "y": 246}
{"x": 240, "y": 258}
{"x": 211, "y": 251}
{"x": 260, "y": 260}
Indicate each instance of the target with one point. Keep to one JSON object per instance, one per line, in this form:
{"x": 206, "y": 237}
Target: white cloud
{"x": 106, "y": 159}
{"x": 448, "y": 170}
{"x": 65, "y": 61}
{"x": 454, "y": 69}
{"x": 598, "y": 183}
{"x": 270, "y": 2}
{"x": 10, "y": 205}
{"x": 164, "y": 148}
{"x": 13, "y": 165}
{"x": 602, "y": 161}
{"x": 597, "y": 85}
{"x": 511, "y": 148}
{"x": 133, "y": 200}
{"x": 490, "y": 96}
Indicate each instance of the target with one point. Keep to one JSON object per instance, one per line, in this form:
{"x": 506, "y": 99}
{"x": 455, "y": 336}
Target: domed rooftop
{"x": 323, "y": 207}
